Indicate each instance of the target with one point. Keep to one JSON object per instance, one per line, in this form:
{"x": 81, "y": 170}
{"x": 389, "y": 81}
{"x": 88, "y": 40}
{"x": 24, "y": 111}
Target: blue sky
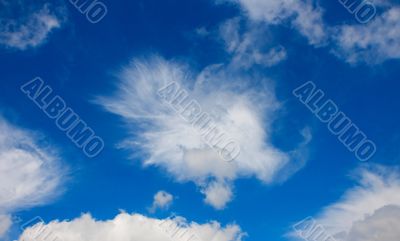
{"x": 240, "y": 61}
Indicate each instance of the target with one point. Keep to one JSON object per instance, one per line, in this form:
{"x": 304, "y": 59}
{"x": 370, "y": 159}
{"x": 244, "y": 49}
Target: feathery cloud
{"x": 30, "y": 27}
{"x": 30, "y": 173}
{"x": 175, "y": 145}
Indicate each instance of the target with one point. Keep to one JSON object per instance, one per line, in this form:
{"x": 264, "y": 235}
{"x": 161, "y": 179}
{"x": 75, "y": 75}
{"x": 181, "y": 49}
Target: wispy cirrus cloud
{"x": 249, "y": 44}
{"x": 244, "y": 112}
{"x": 31, "y": 174}
{"x": 25, "y": 25}
{"x": 371, "y": 43}
{"x": 305, "y": 16}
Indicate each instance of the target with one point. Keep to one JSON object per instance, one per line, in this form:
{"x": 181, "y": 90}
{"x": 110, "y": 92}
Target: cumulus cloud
{"x": 126, "y": 227}
{"x": 369, "y": 211}
{"x": 382, "y": 225}
{"x": 29, "y": 26}
{"x": 162, "y": 200}
{"x": 372, "y": 43}
{"x": 30, "y": 173}
{"x": 176, "y": 145}
{"x": 218, "y": 194}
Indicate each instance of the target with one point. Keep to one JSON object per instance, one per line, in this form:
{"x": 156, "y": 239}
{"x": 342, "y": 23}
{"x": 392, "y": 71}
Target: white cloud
{"x": 303, "y": 15}
{"x": 162, "y": 200}
{"x": 382, "y": 225}
{"x": 126, "y": 227}
{"x": 374, "y": 42}
{"x": 251, "y": 47}
{"x": 5, "y": 224}
{"x": 30, "y": 174}
{"x": 27, "y": 29}
{"x": 309, "y": 22}
{"x": 218, "y": 194}
{"x": 371, "y": 43}
{"x": 368, "y": 211}
{"x": 245, "y": 114}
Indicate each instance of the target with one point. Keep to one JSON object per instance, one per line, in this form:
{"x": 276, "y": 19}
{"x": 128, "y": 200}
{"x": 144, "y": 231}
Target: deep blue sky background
{"x": 80, "y": 61}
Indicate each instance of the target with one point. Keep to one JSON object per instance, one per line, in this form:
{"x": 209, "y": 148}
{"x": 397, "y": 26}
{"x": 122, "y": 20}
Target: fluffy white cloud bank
{"x": 28, "y": 28}
{"x": 126, "y": 227}
{"x": 372, "y": 43}
{"x": 382, "y": 225}
{"x": 30, "y": 173}
{"x": 162, "y": 200}
{"x": 369, "y": 211}
{"x": 176, "y": 145}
